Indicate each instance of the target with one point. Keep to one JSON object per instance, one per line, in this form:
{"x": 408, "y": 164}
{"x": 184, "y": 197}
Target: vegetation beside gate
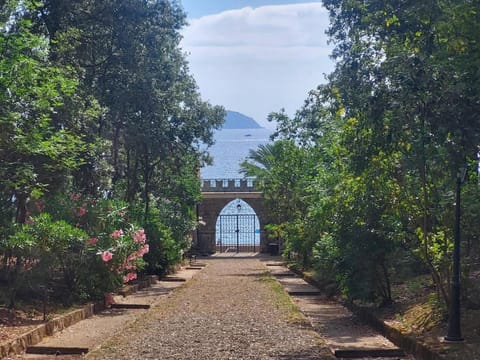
{"x": 100, "y": 132}
{"x": 361, "y": 181}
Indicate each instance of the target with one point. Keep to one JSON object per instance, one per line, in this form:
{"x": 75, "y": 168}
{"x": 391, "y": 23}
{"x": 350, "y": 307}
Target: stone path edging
{"x": 33, "y": 337}
{"x": 407, "y": 342}
{"x": 345, "y": 337}
{"x": 36, "y": 335}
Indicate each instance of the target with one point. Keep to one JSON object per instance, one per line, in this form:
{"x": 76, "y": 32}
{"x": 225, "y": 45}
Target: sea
{"x": 231, "y": 147}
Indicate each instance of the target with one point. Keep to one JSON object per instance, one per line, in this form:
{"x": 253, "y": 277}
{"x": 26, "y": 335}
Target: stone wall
{"x": 209, "y": 210}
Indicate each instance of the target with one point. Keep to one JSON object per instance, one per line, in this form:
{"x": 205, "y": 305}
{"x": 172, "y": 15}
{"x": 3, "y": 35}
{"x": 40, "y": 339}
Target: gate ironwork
{"x": 237, "y": 233}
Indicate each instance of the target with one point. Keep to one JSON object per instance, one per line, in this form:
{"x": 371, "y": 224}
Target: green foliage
{"x": 96, "y": 101}
{"x": 285, "y": 170}
{"x": 35, "y": 152}
{"x": 40, "y": 253}
{"x": 386, "y": 137}
{"x": 164, "y": 250}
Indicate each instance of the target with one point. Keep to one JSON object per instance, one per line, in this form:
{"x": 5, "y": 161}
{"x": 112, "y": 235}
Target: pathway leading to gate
{"x": 229, "y": 310}
{"x": 234, "y": 308}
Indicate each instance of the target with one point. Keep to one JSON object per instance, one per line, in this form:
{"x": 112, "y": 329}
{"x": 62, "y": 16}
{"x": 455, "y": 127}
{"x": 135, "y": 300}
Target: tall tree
{"x": 130, "y": 56}
{"x": 402, "y": 77}
{"x": 36, "y": 154}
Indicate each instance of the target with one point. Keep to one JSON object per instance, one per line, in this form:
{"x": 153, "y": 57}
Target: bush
{"x": 77, "y": 262}
{"x": 164, "y": 250}
{"x": 43, "y": 253}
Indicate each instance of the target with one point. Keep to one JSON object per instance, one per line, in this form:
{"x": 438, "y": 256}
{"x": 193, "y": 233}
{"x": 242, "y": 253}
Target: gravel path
{"x": 228, "y": 311}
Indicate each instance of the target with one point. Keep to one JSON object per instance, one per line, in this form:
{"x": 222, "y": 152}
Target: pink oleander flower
{"x": 129, "y": 277}
{"x": 139, "y": 236}
{"x": 75, "y": 197}
{"x": 117, "y": 233}
{"x": 81, "y": 211}
{"x": 131, "y": 267}
{"x": 143, "y": 250}
{"x": 92, "y": 241}
{"x": 106, "y": 256}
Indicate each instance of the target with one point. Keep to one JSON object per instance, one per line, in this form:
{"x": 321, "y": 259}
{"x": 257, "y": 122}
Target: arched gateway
{"x": 232, "y": 217}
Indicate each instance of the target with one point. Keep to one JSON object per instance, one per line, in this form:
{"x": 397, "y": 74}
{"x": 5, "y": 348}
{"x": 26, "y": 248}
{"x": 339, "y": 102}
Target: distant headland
{"x": 236, "y": 120}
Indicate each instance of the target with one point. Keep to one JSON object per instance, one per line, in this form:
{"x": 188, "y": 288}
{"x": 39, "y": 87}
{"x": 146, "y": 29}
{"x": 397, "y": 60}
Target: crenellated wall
{"x": 229, "y": 185}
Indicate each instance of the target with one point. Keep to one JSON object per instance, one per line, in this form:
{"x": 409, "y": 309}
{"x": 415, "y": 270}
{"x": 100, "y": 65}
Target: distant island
{"x": 236, "y": 120}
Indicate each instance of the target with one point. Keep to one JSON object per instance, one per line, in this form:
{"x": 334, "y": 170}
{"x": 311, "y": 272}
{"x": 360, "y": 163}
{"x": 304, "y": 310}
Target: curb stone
{"x": 36, "y": 335}
{"x": 32, "y": 337}
{"x": 407, "y": 341}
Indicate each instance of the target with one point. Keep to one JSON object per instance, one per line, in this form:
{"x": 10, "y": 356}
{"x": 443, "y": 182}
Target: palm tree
{"x": 260, "y": 161}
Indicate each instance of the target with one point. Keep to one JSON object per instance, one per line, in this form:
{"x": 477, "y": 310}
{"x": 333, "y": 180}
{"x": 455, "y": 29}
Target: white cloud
{"x": 281, "y": 25}
{"x": 257, "y": 60}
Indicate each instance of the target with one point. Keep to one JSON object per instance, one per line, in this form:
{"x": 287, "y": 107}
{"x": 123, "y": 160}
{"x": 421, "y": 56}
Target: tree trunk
{"x": 146, "y": 191}
{"x": 388, "y": 287}
{"x": 21, "y": 213}
{"x": 115, "y": 154}
{"x": 442, "y": 293}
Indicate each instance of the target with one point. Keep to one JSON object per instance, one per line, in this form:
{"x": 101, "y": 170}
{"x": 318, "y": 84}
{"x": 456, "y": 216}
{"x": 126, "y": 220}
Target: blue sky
{"x": 256, "y": 57}
{"x": 198, "y": 8}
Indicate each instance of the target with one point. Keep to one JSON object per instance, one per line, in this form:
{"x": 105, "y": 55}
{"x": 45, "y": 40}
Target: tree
{"x": 131, "y": 59}
{"x": 284, "y": 170}
{"x": 388, "y": 134}
{"x": 36, "y": 154}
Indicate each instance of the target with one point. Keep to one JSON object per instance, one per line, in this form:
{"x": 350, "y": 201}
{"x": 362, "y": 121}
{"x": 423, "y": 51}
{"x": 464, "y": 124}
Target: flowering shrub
{"x": 110, "y": 253}
{"x": 122, "y": 251}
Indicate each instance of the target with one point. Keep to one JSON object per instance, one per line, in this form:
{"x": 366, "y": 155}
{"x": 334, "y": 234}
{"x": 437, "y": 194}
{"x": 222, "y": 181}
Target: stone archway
{"x": 210, "y": 208}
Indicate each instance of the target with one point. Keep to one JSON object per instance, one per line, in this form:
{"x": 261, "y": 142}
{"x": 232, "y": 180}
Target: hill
{"x": 236, "y": 120}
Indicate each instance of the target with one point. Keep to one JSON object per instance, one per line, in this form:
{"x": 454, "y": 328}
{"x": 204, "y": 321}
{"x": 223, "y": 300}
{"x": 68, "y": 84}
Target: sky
{"x": 257, "y": 57}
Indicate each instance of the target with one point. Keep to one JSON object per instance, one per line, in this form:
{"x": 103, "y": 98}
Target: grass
{"x": 283, "y": 301}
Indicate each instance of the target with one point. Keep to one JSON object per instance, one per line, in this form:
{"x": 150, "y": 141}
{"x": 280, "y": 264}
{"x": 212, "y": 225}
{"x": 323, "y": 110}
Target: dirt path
{"x": 228, "y": 311}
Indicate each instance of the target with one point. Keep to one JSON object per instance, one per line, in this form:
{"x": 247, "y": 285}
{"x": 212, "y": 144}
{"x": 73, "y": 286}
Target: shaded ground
{"x": 417, "y": 311}
{"x": 342, "y": 331}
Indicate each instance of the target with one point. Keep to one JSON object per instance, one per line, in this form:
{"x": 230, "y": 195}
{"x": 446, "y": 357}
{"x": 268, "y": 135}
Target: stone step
{"x": 173, "y": 279}
{"x": 286, "y": 274}
{"x": 130, "y": 306}
{"x": 277, "y": 263}
{"x": 363, "y": 353}
{"x": 305, "y": 292}
{"x": 56, "y": 350}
